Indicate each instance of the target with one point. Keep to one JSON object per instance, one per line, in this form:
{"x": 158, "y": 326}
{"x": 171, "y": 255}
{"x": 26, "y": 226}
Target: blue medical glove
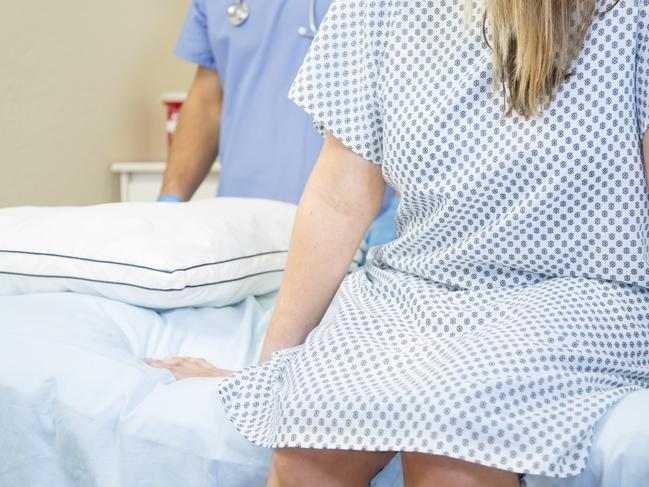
{"x": 382, "y": 230}
{"x": 170, "y": 198}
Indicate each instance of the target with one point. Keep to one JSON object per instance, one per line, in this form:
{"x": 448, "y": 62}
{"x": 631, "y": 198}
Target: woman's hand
{"x": 188, "y": 367}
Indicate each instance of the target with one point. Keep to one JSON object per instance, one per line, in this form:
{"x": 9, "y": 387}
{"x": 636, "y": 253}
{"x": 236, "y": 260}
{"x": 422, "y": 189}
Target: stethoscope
{"x": 239, "y": 11}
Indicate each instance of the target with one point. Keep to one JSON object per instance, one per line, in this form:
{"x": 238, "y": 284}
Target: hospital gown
{"x": 512, "y": 311}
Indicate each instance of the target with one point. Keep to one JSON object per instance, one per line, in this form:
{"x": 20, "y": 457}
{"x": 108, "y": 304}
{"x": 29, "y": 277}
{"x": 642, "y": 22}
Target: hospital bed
{"x": 78, "y": 407}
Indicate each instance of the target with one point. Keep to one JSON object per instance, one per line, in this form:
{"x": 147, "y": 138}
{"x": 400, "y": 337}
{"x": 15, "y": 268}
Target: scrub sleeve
{"x": 194, "y": 42}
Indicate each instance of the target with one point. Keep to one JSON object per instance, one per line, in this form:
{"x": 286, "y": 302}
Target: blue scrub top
{"x": 268, "y": 145}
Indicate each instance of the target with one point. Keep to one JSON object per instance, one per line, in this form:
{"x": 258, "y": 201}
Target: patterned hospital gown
{"x": 513, "y": 309}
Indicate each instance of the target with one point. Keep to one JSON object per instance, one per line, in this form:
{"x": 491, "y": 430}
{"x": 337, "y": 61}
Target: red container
{"x": 173, "y": 102}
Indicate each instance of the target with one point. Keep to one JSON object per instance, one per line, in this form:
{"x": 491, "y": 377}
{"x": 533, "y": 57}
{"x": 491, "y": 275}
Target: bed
{"x": 78, "y": 407}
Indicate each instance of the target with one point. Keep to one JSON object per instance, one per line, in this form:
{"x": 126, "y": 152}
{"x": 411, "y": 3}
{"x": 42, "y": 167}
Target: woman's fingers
{"x": 154, "y": 362}
{"x": 187, "y": 367}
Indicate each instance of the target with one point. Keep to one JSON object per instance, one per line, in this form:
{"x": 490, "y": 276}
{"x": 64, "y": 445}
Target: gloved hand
{"x": 170, "y": 198}
{"x": 382, "y": 229}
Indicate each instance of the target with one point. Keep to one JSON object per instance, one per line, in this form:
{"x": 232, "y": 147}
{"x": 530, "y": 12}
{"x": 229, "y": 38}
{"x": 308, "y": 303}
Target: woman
{"x": 513, "y": 309}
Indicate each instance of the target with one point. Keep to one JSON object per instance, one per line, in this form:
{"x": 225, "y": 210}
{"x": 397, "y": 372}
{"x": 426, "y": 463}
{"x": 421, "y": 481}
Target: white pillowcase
{"x": 159, "y": 255}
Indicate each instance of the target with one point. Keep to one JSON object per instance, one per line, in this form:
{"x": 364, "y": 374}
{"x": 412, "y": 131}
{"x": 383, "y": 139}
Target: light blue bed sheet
{"x": 78, "y": 407}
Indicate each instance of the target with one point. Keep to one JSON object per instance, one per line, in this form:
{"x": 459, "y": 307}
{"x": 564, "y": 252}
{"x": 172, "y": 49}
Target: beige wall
{"x": 79, "y": 88}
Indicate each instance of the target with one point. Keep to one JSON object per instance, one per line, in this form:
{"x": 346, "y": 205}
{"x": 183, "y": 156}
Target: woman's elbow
{"x": 346, "y": 182}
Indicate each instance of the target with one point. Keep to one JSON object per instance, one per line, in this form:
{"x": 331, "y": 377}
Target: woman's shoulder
{"x": 354, "y": 19}
{"x": 353, "y": 8}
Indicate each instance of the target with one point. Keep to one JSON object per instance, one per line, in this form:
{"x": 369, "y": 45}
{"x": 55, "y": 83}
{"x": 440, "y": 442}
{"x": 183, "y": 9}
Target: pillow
{"x": 203, "y": 253}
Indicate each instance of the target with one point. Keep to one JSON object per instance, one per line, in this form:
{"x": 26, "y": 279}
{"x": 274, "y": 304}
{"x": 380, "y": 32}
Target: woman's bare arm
{"x": 341, "y": 198}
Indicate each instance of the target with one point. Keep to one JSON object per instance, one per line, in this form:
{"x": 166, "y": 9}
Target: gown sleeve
{"x": 642, "y": 68}
{"x": 339, "y": 83}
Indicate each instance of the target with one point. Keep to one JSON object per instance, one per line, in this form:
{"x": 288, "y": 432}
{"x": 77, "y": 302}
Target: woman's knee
{"x": 421, "y": 470}
{"x": 291, "y": 466}
{"x": 327, "y": 468}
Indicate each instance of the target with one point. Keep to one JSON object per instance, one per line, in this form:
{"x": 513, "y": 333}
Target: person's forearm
{"x": 195, "y": 144}
{"x": 335, "y": 210}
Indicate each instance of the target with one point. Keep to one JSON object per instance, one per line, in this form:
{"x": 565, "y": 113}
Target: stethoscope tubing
{"x": 312, "y": 26}
{"x": 303, "y": 31}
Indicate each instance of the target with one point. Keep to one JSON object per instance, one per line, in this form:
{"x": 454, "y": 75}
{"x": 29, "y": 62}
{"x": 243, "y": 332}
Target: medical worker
{"x": 247, "y": 52}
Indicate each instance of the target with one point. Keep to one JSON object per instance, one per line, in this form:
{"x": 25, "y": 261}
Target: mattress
{"x": 80, "y": 408}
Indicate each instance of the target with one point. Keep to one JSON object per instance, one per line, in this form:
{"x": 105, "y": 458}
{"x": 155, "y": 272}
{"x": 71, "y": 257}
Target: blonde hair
{"x": 534, "y": 42}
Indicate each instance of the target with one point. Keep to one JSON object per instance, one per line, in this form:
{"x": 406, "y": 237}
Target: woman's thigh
{"x": 325, "y": 468}
{"x": 420, "y": 469}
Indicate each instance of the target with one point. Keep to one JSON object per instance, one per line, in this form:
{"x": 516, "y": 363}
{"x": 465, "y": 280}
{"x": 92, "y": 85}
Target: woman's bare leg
{"x": 299, "y": 467}
{"x": 422, "y": 470}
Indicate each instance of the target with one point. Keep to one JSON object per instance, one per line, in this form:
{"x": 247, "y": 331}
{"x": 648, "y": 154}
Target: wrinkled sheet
{"x": 78, "y": 407}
